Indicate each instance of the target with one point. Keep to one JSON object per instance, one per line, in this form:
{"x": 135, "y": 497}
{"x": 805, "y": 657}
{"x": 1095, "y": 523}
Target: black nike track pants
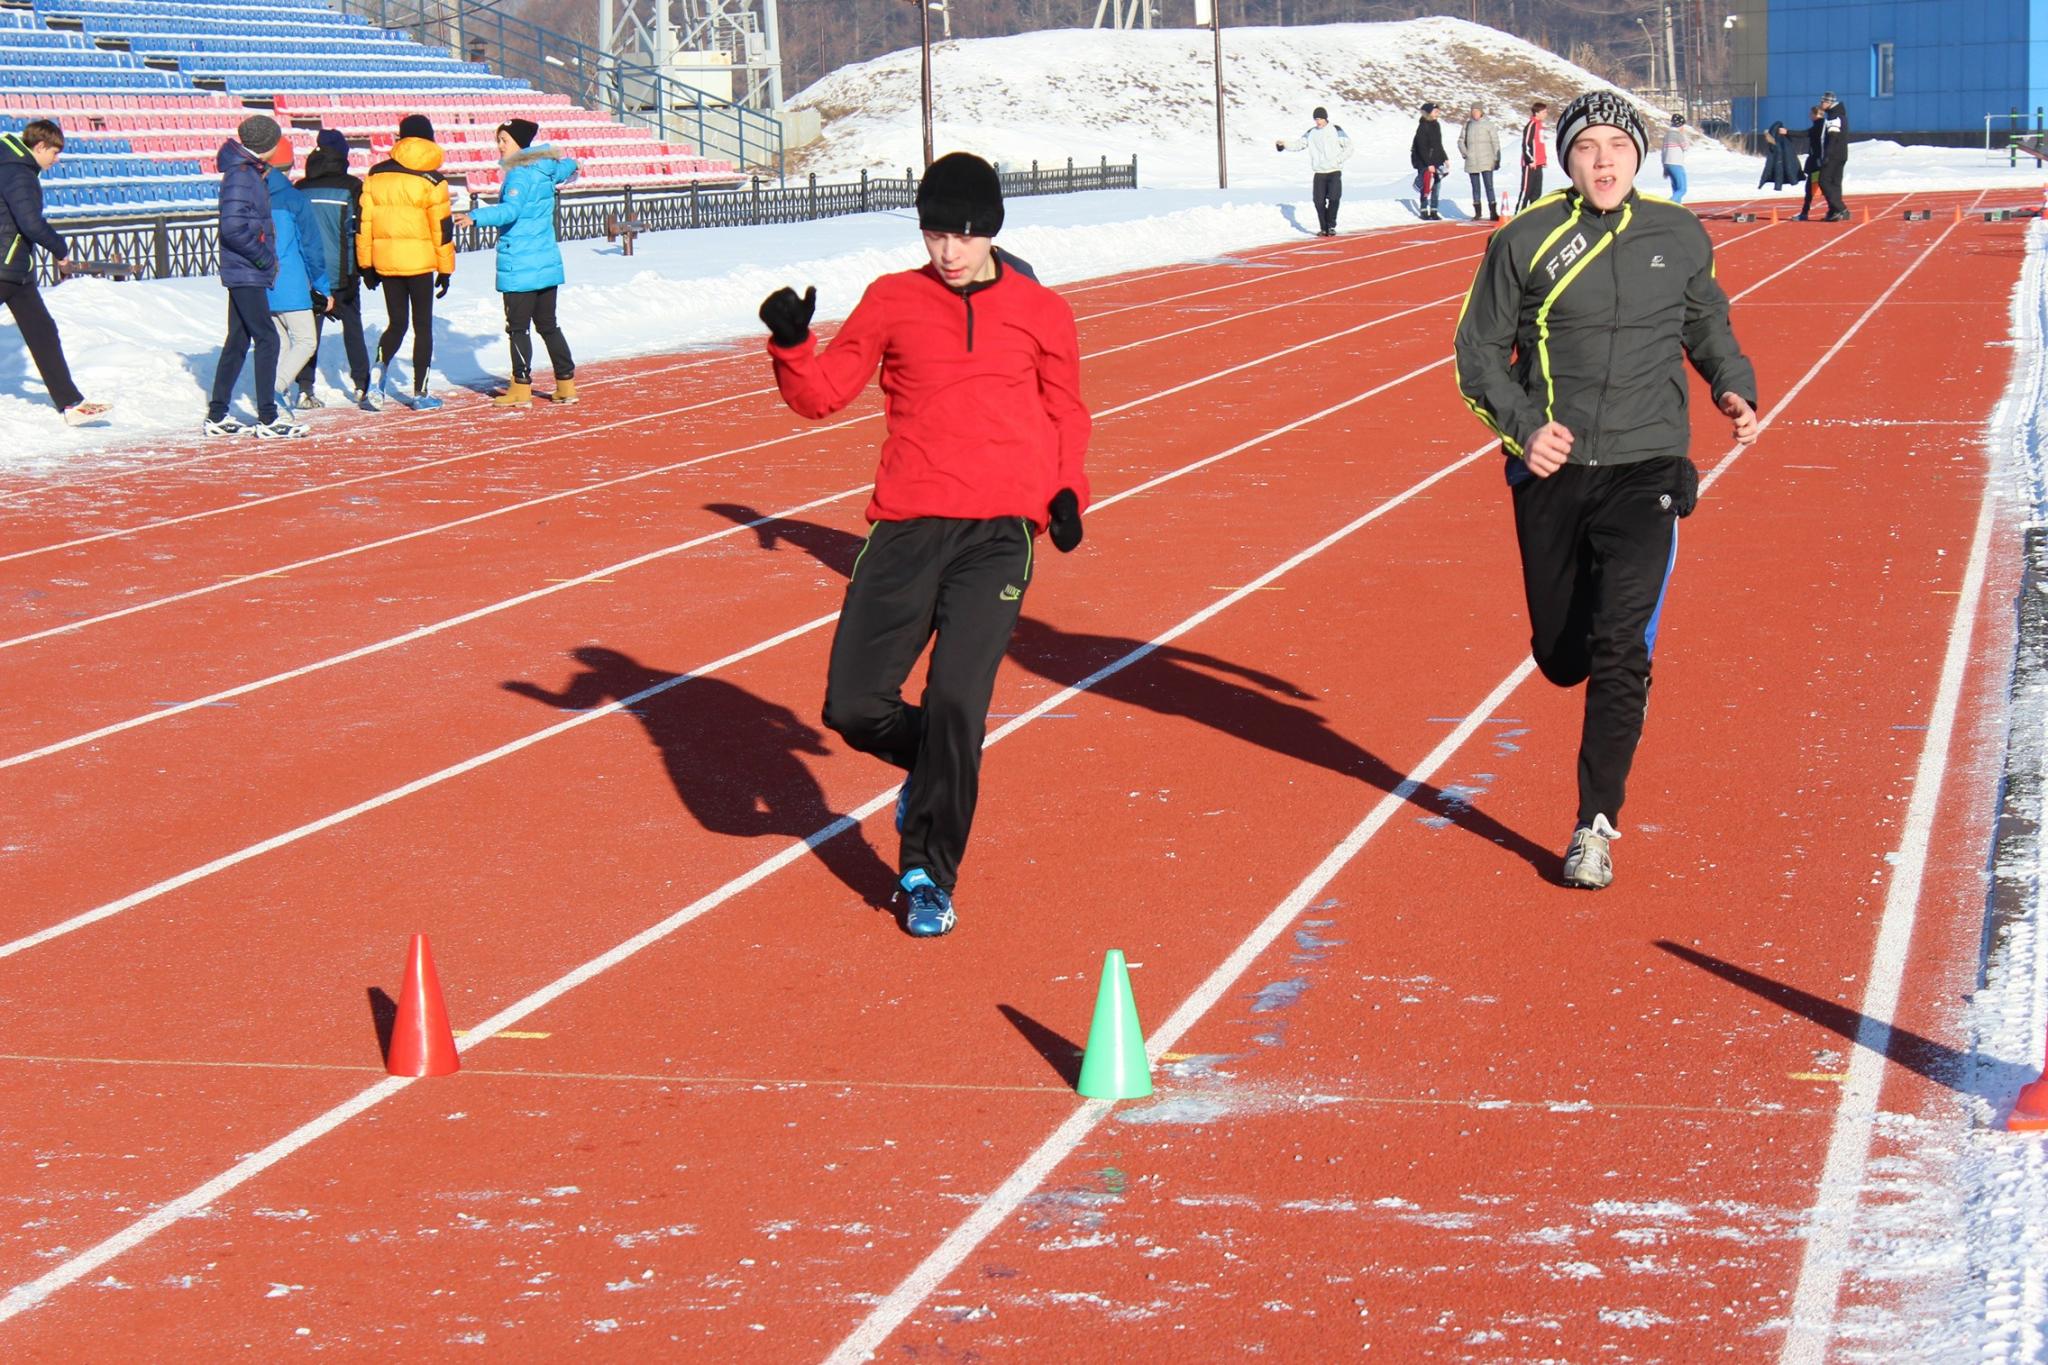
{"x": 962, "y": 582}
{"x": 1598, "y": 545}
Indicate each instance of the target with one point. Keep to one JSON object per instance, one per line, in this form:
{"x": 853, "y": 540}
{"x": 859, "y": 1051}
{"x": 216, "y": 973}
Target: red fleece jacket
{"x": 981, "y": 390}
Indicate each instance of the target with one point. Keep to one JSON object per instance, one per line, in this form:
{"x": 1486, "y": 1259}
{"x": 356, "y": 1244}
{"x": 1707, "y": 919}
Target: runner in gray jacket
{"x": 1572, "y": 348}
{"x": 1479, "y": 144}
{"x": 1328, "y": 149}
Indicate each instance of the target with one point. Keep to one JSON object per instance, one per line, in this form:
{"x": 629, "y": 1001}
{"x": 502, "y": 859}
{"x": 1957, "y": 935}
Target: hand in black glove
{"x": 441, "y": 283}
{"x": 789, "y": 317}
{"x": 1063, "y": 522}
{"x": 371, "y": 277}
{"x": 320, "y": 302}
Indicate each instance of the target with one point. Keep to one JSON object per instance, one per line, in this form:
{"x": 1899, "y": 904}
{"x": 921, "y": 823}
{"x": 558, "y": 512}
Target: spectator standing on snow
{"x": 1577, "y": 364}
{"x": 1535, "y": 155}
{"x": 336, "y": 197}
{"x": 298, "y": 295}
{"x": 529, "y": 258}
{"x": 1329, "y": 147}
{"x": 23, "y": 159}
{"x": 248, "y": 267}
{"x": 1834, "y": 159}
{"x": 1479, "y": 144}
{"x": 406, "y": 244}
{"x": 1426, "y": 154}
{"x": 1677, "y": 138}
{"x": 986, "y": 439}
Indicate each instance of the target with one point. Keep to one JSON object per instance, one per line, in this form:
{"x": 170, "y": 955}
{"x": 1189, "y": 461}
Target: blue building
{"x": 1910, "y": 70}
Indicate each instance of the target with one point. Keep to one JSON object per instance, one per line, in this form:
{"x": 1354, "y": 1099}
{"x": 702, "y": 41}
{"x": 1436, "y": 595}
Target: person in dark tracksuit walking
{"x": 986, "y": 439}
{"x": 1572, "y": 348}
{"x": 337, "y": 199}
{"x": 1834, "y": 156}
{"x": 23, "y": 159}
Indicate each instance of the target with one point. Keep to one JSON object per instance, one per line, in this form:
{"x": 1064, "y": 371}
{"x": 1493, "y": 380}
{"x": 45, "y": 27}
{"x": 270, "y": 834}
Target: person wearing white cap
{"x": 1572, "y": 348}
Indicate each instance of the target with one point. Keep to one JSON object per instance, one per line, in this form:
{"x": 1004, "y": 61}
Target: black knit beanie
{"x": 1596, "y": 108}
{"x": 520, "y": 130}
{"x": 416, "y": 125}
{"x": 960, "y": 193}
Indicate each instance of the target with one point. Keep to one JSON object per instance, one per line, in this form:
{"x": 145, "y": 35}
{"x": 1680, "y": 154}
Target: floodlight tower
{"x": 684, "y": 34}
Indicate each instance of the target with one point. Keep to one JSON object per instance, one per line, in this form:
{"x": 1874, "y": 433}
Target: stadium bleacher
{"x": 147, "y": 90}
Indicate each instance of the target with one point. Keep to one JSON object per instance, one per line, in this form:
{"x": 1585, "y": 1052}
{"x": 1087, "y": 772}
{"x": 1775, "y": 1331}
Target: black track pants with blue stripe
{"x": 957, "y": 585}
{"x": 1598, "y": 546}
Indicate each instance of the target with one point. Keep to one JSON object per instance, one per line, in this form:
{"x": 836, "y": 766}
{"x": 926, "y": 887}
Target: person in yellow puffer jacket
{"x": 406, "y": 242}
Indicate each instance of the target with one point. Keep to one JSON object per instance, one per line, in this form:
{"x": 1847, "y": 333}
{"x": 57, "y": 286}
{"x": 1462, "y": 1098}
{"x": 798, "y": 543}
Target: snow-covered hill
{"x": 1089, "y": 93}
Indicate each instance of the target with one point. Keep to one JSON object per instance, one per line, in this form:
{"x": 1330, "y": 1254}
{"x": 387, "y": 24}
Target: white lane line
{"x": 724, "y": 400}
{"x": 725, "y": 353}
{"x": 804, "y": 433}
{"x": 926, "y": 1277}
{"x": 27, "y": 1295}
{"x": 242, "y": 855}
{"x": 165, "y": 712}
{"x": 1826, "y": 1257}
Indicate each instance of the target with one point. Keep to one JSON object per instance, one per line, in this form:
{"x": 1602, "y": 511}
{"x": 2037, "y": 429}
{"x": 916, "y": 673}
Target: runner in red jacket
{"x": 981, "y": 373}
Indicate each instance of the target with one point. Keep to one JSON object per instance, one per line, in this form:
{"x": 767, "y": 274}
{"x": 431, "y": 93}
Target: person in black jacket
{"x": 1816, "y": 148}
{"x": 337, "y": 199}
{"x": 1571, "y": 348}
{"x": 1834, "y": 157}
{"x": 1781, "y": 163}
{"x": 23, "y": 159}
{"x": 1426, "y": 154}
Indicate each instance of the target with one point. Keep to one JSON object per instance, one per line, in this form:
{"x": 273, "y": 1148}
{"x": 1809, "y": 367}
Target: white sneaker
{"x": 284, "y": 428}
{"x": 84, "y": 414}
{"x": 310, "y": 399}
{"x": 226, "y": 426}
{"x": 1588, "y": 862}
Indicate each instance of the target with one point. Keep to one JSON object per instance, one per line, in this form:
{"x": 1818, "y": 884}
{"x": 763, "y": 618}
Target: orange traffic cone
{"x": 422, "y": 1044}
{"x": 1959, "y": 213}
{"x": 2030, "y": 1110}
{"x": 1866, "y": 213}
{"x": 1774, "y": 213}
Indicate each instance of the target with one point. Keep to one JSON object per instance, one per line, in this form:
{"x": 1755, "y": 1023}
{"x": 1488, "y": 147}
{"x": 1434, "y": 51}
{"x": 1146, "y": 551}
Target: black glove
{"x": 441, "y": 283}
{"x": 1685, "y": 487}
{"x": 319, "y": 302}
{"x": 371, "y": 277}
{"x": 1063, "y": 521}
{"x": 789, "y": 317}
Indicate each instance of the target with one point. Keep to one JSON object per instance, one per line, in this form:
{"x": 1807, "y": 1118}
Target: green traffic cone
{"x": 1114, "y": 1066}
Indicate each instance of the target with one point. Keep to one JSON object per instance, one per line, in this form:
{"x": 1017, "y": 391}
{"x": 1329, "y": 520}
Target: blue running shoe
{"x": 425, "y": 402}
{"x": 930, "y": 911}
{"x": 902, "y": 802}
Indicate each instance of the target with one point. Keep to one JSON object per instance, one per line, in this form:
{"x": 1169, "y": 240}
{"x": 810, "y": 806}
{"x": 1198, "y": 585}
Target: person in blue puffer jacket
{"x": 529, "y": 259}
{"x": 248, "y": 267}
{"x": 301, "y": 289}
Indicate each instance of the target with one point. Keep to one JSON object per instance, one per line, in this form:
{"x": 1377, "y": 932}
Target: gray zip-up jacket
{"x": 1479, "y": 144}
{"x": 1328, "y": 148}
{"x": 1587, "y": 319}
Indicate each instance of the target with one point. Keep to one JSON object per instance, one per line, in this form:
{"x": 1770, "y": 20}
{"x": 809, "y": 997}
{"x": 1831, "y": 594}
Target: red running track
{"x": 1270, "y": 732}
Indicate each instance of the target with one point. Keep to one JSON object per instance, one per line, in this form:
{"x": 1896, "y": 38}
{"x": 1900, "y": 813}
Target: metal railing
{"x": 477, "y": 31}
{"x": 185, "y": 245}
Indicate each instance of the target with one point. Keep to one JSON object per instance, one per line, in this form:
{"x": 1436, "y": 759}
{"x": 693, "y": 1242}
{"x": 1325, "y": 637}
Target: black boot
{"x": 1493, "y": 212}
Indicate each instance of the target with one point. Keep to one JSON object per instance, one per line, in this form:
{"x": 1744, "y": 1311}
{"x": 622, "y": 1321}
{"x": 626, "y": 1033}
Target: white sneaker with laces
{"x": 226, "y": 426}
{"x": 84, "y": 414}
{"x": 284, "y": 428}
{"x": 1589, "y": 861}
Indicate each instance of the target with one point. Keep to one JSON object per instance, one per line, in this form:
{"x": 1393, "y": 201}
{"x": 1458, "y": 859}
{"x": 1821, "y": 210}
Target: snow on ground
{"x": 1962, "y": 1208}
{"x": 151, "y": 347}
